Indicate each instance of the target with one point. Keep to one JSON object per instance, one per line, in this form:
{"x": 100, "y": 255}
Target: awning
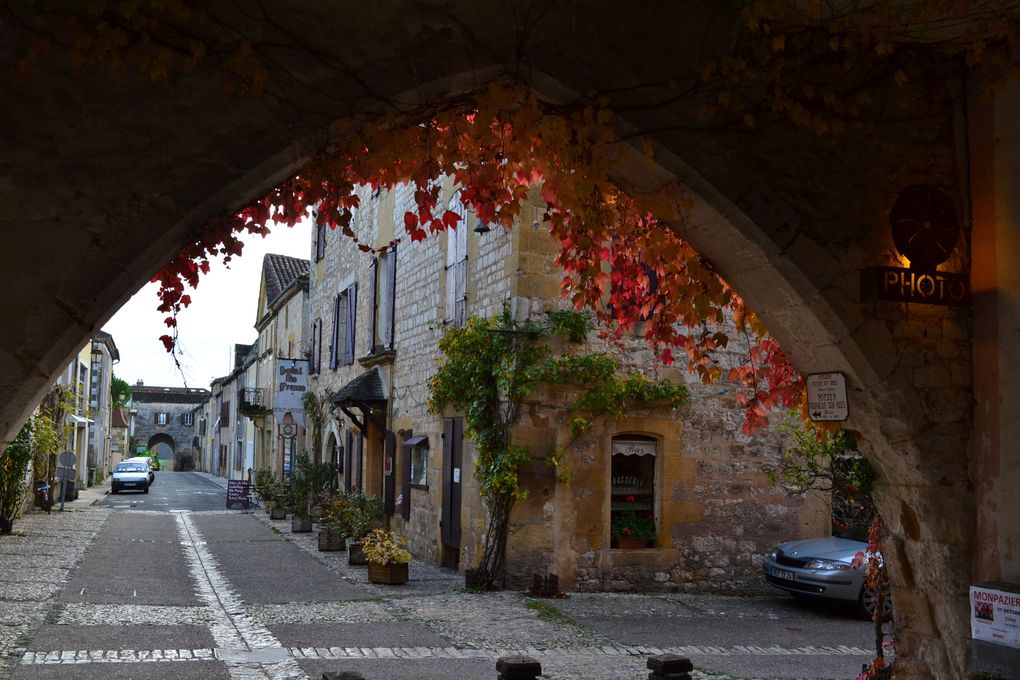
{"x": 367, "y": 388}
{"x": 420, "y": 440}
{"x": 625, "y": 447}
{"x": 78, "y": 420}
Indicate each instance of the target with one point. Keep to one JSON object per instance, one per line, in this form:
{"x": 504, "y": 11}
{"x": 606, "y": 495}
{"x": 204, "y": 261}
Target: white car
{"x": 130, "y": 475}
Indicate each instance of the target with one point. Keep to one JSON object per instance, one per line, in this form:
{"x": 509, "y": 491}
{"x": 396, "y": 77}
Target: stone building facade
{"x": 375, "y": 322}
{"x": 163, "y": 421}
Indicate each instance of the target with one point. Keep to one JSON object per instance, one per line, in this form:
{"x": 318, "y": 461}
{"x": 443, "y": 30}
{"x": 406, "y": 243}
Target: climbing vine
{"x": 488, "y": 367}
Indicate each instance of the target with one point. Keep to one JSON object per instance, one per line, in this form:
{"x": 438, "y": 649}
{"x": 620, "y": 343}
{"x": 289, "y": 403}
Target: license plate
{"x": 128, "y": 483}
{"x": 782, "y": 573}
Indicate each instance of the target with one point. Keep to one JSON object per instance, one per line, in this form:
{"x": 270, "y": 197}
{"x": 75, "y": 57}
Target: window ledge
{"x": 378, "y": 357}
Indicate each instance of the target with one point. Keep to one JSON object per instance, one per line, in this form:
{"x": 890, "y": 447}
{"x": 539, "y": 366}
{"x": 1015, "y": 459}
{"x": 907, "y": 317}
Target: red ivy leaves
{"x": 618, "y": 258}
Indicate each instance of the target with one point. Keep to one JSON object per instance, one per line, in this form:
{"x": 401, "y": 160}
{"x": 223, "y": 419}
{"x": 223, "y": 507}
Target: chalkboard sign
{"x": 237, "y": 493}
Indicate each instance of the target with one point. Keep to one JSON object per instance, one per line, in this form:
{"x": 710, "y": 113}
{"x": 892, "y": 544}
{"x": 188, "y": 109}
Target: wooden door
{"x": 453, "y": 456}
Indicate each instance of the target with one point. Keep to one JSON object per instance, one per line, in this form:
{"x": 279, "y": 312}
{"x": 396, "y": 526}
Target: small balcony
{"x": 253, "y": 402}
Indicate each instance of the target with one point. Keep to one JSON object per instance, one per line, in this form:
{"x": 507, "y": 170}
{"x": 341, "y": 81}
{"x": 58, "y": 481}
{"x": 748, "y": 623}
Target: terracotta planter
{"x": 390, "y": 574}
{"x": 301, "y": 525}
{"x": 278, "y": 512}
{"x": 631, "y": 543}
{"x": 355, "y": 555}
{"x": 329, "y": 542}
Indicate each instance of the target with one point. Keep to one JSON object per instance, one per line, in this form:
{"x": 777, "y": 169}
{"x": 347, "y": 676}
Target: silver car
{"x": 823, "y": 568}
{"x": 130, "y": 475}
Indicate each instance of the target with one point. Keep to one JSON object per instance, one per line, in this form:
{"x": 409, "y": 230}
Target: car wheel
{"x": 112, "y": 490}
{"x": 868, "y": 600}
{"x": 146, "y": 489}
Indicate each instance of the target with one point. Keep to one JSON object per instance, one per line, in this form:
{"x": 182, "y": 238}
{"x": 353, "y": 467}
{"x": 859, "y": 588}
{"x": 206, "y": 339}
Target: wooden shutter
{"x": 390, "y": 480}
{"x": 352, "y": 314}
{"x": 334, "y": 346}
{"x": 373, "y": 297}
{"x": 348, "y": 443}
{"x": 311, "y": 349}
{"x": 359, "y": 450}
{"x": 318, "y": 347}
{"x": 155, "y": 418}
{"x": 389, "y": 300}
{"x": 405, "y": 481}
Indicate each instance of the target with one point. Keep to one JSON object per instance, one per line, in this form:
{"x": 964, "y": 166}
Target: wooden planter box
{"x": 329, "y": 542}
{"x": 356, "y": 556}
{"x": 301, "y": 525}
{"x": 390, "y": 574}
{"x": 278, "y": 512}
{"x": 631, "y": 543}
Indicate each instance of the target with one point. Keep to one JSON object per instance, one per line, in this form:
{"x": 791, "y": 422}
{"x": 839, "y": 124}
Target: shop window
{"x": 420, "y": 464}
{"x": 632, "y": 505}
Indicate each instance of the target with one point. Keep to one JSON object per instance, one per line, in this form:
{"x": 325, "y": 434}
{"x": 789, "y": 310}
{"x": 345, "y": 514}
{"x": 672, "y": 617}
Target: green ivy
{"x": 490, "y": 366}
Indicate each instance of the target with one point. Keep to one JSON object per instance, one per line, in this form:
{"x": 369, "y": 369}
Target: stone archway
{"x": 786, "y": 217}
{"x": 165, "y": 448}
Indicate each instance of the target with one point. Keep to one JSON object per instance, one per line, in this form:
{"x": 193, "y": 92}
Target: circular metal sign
{"x": 66, "y": 459}
{"x": 288, "y": 430}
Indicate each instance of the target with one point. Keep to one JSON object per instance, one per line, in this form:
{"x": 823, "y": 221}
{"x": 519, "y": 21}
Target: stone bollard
{"x": 669, "y": 667}
{"x": 517, "y": 668}
{"x": 342, "y": 675}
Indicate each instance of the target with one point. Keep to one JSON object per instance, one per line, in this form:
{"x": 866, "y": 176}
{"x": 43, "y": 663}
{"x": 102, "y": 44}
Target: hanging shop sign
{"x": 291, "y": 385}
{"x": 925, "y": 230}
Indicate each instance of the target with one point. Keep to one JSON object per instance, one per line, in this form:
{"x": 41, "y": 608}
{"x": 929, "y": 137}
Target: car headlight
{"x": 772, "y": 555}
{"x": 826, "y": 564}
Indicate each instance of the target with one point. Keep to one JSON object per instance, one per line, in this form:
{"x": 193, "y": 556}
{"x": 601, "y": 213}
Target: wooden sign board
{"x": 237, "y": 493}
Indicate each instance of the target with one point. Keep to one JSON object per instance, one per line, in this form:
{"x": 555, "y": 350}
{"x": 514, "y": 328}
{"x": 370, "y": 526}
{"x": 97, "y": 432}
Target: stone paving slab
{"x": 14, "y": 613}
{"x": 87, "y": 614}
{"x": 263, "y": 581}
{"x": 495, "y": 620}
{"x": 233, "y": 527}
{"x": 320, "y": 612}
{"x": 384, "y": 634}
{"x": 189, "y": 670}
{"x": 105, "y": 636}
{"x": 423, "y": 669}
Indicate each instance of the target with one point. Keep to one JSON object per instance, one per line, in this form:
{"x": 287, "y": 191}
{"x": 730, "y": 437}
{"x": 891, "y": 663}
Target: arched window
{"x": 632, "y": 503}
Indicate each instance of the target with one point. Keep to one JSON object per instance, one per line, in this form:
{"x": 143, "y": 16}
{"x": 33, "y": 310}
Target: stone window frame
{"x": 657, "y": 484}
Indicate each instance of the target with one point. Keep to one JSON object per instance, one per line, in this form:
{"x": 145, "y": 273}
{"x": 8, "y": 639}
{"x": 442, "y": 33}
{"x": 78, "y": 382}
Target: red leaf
{"x": 168, "y": 342}
{"x": 185, "y": 300}
{"x": 410, "y": 221}
{"x": 450, "y": 219}
{"x": 418, "y": 234}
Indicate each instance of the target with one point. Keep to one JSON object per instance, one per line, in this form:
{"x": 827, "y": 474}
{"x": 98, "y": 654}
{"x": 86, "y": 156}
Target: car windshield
{"x": 130, "y": 468}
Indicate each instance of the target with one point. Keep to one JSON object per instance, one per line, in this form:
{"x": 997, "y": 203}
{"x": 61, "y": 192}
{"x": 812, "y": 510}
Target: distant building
{"x": 163, "y": 421}
{"x": 104, "y": 356}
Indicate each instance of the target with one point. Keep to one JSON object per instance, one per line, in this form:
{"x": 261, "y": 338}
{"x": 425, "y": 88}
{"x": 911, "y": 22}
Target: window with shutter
{"x": 311, "y": 349}
{"x": 456, "y": 266}
{"x": 320, "y": 241}
{"x": 334, "y": 338}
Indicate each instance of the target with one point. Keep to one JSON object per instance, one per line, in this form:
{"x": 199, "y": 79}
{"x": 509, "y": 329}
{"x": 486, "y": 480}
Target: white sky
{"x": 222, "y": 313}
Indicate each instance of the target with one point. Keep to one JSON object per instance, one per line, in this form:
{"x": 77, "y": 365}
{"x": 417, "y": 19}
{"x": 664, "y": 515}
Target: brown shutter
{"x": 373, "y": 296}
{"x": 390, "y": 480}
{"x": 348, "y": 443}
{"x": 334, "y": 346}
{"x": 389, "y": 303}
{"x": 318, "y": 347}
{"x": 311, "y": 349}
{"x": 405, "y": 482}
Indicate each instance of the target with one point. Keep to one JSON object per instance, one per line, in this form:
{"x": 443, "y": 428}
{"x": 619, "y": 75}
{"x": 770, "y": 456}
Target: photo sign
{"x": 995, "y": 615}
{"x": 291, "y": 385}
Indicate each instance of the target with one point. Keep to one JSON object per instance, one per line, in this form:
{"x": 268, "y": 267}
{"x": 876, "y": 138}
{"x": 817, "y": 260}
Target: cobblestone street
{"x": 102, "y": 592}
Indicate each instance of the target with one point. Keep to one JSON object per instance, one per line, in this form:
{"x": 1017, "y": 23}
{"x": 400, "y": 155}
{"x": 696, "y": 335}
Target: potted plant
{"x": 319, "y": 479}
{"x": 332, "y": 512}
{"x": 365, "y": 514}
{"x": 631, "y": 531}
{"x": 275, "y": 495}
{"x": 263, "y": 482}
{"x": 301, "y": 522}
{"x": 387, "y": 557}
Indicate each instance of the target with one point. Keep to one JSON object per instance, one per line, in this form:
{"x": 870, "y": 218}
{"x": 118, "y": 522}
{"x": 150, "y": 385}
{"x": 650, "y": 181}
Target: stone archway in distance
{"x": 165, "y": 448}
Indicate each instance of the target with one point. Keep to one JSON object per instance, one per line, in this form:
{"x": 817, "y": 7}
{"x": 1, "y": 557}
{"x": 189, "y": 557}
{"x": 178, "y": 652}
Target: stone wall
{"x": 148, "y": 402}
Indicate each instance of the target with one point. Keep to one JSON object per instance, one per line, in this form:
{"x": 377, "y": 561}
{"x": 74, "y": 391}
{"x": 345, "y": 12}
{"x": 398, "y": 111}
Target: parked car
{"x": 147, "y": 462}
{"x": 823, "y": 568}
{"x": 130, "y": 475}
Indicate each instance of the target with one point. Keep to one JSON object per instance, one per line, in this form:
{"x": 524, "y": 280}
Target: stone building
{"x": 163, "y": 422}
{"x": 375, "y": 324}
{"x": 282, "y": 324}
{"x": 104, "y": 355}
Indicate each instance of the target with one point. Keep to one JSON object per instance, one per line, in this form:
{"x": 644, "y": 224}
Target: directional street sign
{"x": 826, "y": 394}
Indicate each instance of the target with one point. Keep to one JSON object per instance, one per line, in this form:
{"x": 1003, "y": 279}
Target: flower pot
{"x": 390, "y": 574}
{"x": 631, "y": 543}
{"x": 278, "y": 512}
{"x": 355, "y": 555}
{"x": 330, "y": 542}
{"x": 301, "y": 525}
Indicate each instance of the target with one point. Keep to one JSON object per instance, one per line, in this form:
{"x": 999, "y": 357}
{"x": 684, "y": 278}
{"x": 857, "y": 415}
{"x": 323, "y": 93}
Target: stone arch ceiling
{"x": 103, "y": 176}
